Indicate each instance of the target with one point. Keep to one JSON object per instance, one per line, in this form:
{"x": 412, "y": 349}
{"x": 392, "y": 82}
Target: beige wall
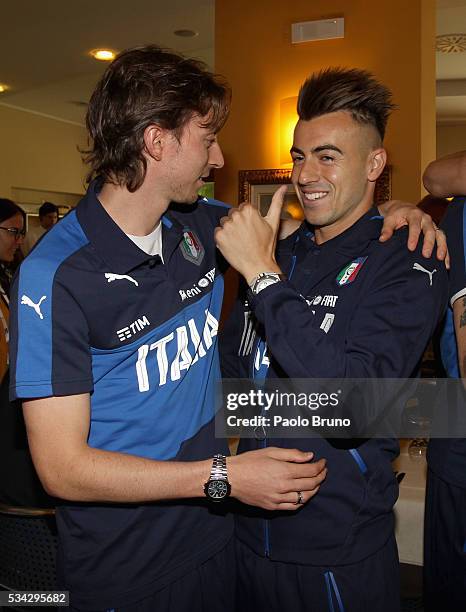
{"x": 428, "y": 87}
{"x": 39, "y": 153}
{"x": 450, "y": 139}
{"x": 392, "y": 38}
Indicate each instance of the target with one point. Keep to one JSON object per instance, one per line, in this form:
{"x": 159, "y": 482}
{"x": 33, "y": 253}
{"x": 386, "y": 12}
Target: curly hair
{"x": 143, "y": 86}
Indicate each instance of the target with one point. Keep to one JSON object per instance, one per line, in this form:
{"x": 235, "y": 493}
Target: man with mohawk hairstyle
{"x": 332, "y": 301}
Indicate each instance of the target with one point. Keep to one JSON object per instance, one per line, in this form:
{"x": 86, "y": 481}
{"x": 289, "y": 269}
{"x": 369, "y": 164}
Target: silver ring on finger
{"x": 300, "y": 499}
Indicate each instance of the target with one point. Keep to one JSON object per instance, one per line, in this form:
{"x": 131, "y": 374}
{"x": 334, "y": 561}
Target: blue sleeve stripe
{"x": 359, "y": 460}
{"x": 166, "y": 221}
{"x": 28, "y": 390}
{"x": 337, "y": 592}
{"x": 329, "y": 592}
{"x": 35, "y": 296}
{"x": 448, "y": 348}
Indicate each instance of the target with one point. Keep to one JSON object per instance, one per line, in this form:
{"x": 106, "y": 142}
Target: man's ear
{"x": 154, "y": 139}
{"x": 377, "y": 160}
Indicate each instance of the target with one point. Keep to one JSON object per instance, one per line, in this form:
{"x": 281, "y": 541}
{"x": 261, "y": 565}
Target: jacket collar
{"x": 110, "y": 242}
{"x": 350, "y": 242}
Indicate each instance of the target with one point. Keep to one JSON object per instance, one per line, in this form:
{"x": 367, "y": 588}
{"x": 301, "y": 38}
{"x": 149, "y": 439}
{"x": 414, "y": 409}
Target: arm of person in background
{"x": 446, "y": 176}
{"x": 396, "y": 214}
{"x": 459, "y": 314}
{"x": 453, "y": 224}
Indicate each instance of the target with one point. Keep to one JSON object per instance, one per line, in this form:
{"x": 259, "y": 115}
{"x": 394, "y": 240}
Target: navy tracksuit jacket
{"x": 352, "y": 308}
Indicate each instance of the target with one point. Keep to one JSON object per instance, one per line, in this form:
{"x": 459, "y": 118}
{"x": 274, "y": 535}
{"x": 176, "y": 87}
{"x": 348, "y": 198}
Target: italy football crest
{"x": 349, "y": 272}
{"x": 191, "y": 247}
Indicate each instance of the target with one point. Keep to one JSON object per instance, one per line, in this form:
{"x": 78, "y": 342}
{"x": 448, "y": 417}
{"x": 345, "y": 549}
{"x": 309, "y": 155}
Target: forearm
{"x": 58, "y": 429}
{"x": 446, "y": 176}
{"x": 262, "y": 478}
{"x": 104, "y": 476}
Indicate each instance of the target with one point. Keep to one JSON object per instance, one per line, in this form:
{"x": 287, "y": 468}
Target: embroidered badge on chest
{"x": 349, "y": 272}
{"x": 191, "y": 247}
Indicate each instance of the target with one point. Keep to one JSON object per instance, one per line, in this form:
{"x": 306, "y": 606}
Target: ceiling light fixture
{"x": 103, "y": 55}
{"x": 186, "y": 33}
{"x": 3, "y": 88}
{"x": 451, "y": 43}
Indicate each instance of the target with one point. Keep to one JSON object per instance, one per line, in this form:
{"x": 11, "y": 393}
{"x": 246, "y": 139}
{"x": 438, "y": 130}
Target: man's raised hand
{"x": 247, "y": 240}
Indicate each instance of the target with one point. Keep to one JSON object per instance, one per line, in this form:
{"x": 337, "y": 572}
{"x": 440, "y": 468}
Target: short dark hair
{"x": 344, "y": 89}
{"x": 9, "y": 209}
{"x": 143, "y": 86}
{"x": 47, "y": 208}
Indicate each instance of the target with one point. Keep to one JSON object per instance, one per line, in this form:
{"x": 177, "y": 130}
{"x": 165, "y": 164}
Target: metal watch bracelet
{"x": 219, "y": 468}
{"x": 265, "y": 278}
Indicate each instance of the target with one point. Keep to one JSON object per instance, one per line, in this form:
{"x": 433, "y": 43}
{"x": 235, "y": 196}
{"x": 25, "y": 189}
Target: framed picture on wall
{"x": 258, "y": 187}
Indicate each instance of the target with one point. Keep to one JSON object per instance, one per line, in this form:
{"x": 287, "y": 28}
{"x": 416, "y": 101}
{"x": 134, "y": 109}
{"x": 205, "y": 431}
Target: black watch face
{"x": 217, "y": 489}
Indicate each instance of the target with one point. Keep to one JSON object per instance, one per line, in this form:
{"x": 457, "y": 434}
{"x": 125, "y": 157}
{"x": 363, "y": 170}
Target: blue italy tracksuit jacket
{"x": 352, "y": 308}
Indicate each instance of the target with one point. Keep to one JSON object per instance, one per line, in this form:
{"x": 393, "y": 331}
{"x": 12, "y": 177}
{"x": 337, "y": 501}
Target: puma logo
{"x": 113, "y": 277}
{"x": 417, "y": 266}
{"x": 28, "y": 302}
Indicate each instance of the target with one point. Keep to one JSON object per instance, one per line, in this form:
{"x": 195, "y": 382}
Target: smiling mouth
{"x": 313, "y": 196}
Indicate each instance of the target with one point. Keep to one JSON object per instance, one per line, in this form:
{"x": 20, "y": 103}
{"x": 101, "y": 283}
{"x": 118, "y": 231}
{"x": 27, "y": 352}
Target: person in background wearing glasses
{"x": 19, "y": 484}
{"x": 12, "y": 232}
{"x": 48, "y": 216}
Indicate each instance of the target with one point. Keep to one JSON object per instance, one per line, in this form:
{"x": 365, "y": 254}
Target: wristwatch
{"x": 264, "y": 279}
{"x": 217, "y": 488}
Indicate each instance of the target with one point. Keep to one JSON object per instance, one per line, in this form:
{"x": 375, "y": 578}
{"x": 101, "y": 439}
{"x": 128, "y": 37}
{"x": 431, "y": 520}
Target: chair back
{"x": 28, "y": 545}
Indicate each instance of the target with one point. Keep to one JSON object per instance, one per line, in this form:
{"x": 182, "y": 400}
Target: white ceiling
{"x": 451, "y": 67}
{"x": 44, "y": 45}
